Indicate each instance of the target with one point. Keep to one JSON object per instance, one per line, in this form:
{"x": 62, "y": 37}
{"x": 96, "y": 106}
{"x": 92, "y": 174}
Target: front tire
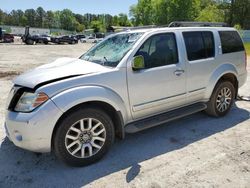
{"x": 83, "y": 137}
{"x": 221, "y": 100}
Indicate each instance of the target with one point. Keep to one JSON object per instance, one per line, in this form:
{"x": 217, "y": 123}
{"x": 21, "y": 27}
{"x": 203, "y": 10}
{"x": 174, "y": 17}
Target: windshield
{"x": 111, "y": 51}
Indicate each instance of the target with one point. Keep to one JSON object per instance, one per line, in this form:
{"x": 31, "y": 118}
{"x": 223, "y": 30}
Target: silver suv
{"x": 129, "y": 82}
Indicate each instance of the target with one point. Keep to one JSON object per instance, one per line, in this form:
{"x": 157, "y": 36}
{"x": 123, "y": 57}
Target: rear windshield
{"x": 231, "y": 42}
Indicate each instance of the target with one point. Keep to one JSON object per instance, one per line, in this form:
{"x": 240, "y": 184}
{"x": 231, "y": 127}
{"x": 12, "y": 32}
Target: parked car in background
{"x": 131, "y": 81}
{"x": 100, "y": 35}
{"x": 90, "y": 39}
{"x": 29, "y": 39}
{"x": 6, "y": 37}
{"x": 44, "y": 39}
{"x": 70, "y": 39}
{"x": 79, "y": 36}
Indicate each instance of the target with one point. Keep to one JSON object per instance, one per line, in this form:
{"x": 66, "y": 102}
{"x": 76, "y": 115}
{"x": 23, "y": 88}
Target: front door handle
{"x": 179, "y": 72}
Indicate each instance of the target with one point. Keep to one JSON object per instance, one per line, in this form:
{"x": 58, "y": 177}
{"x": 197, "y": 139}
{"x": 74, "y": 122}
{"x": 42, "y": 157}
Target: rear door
{"x": 201, "y": 61}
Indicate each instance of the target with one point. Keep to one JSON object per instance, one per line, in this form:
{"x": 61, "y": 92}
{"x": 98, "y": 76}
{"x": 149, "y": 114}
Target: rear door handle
{"x": 179, "y": 72}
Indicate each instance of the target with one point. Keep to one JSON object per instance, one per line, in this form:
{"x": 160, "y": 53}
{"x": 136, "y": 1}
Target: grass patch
{"x": 247, "y": 46}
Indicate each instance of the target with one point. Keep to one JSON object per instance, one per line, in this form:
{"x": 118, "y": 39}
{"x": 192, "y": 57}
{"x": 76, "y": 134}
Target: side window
{"x": 208, "y": 39}
{"x": 159, "y": 50}
{"x": 231, "y": 42}
{"x": 199, "y": 45}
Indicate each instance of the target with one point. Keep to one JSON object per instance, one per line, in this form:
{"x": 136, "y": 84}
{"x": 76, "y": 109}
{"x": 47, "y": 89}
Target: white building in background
{"x": 33, "y": 31}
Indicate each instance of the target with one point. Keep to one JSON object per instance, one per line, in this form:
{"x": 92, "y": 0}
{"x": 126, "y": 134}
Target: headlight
{"x": 30, "y": 101}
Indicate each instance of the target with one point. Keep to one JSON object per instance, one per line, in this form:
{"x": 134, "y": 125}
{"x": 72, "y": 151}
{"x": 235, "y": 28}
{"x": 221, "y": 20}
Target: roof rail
{"x": 142, "y": 27}
{"x": 174, "y": 24}
{"x": 197, "y": 24}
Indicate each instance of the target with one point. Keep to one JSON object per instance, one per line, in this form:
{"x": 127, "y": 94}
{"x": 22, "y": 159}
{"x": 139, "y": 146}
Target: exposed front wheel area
{"x": 83, "y": 136}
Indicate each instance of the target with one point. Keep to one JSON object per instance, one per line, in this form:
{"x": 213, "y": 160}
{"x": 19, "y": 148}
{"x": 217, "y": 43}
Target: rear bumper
{"x": 33, "y": 131}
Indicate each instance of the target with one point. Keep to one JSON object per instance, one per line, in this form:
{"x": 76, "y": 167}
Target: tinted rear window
{"x": 199, "y": 44}
{"x": 231, "y": 42}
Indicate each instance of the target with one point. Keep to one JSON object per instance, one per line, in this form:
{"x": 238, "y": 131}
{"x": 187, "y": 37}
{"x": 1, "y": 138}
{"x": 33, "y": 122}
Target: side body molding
{"x": 217, "y": 74}
{"x": 74, "y": 96}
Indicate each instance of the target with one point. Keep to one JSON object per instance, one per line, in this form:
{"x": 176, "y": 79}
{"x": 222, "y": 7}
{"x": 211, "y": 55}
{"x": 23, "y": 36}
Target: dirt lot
{"x": 197, "y": 151}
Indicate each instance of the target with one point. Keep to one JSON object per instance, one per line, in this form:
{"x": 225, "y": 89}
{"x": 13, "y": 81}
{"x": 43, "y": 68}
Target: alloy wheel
{"x": 85, "y": 138}
{"x": 224, "y": 99}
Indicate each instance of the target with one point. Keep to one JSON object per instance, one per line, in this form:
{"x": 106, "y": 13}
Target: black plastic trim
{"x": 55, "y": 80}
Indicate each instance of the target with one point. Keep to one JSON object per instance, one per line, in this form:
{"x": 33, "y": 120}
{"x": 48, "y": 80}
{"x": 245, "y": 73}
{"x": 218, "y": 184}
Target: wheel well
{"x": 115, "y": 116}
{"x": 231, "y": 78}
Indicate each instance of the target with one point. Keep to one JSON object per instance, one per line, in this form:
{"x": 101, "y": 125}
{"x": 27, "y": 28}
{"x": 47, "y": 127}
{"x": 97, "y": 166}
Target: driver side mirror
{"x": 138, "y": 63}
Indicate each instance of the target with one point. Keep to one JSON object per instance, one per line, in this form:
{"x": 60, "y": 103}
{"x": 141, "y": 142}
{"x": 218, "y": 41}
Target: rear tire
{"x": 221, "y": 100}
{"x": 30, "y": 42}
{"x": 83, "y": 137}
{"x": 57, "y": 41}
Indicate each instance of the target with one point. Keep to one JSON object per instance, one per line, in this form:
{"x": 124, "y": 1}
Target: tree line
{"x": 145, "y": 12}
{"x": 64, "y": 19}
{"x": 162, "y": 12}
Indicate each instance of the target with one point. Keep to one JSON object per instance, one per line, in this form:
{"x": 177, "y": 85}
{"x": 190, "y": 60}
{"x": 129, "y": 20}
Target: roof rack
{"x": 197, "y": 24}
{"x": 143, "y": 27}
{"x": 175, "y": 24}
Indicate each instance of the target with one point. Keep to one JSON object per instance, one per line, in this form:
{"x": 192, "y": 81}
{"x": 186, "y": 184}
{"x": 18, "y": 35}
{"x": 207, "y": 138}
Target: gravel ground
{"x": 196, "y": 151}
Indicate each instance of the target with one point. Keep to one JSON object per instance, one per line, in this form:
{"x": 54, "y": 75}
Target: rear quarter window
{"x": 231, "y": 42}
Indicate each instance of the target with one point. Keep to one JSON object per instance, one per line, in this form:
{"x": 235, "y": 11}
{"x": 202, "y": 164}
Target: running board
{"x": 164, "y": 118}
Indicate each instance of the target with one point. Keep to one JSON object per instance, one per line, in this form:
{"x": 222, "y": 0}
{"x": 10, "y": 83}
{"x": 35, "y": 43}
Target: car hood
{"x": 60, "y": 69}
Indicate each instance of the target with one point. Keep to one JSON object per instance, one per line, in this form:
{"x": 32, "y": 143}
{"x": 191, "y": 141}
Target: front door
{"x": 161, "y": 86}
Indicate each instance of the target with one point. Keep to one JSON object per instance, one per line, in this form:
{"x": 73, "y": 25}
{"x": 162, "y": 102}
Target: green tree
{"x": 49, "y": 21}
{"x": 22, "y": 18}
{"x": 161, "y": 12}
{"x": 211, "y": 14}
{"x": 67, "y": 20}
{"x": 115, "y": 21}
{"x": 108, "y": 20}
{"x": 180, "y": 10}
{"x": 237, "y": 12}
{"x": 30, "y": 14}
{"x": 97, "y": 26}
{"x": 40, "y": 17}
{"x": 123, "y": 20}
{"x": 80, "y": 27}
{"x": 79, "y": 18}
{"x": 205, "y": 3}
{"x": 56, "y": 19}
{"x": 142, "y": 12}
{"x": 17, "y": 18}
{"x": 1, "y": 16}
{"x": 241, "y": 13}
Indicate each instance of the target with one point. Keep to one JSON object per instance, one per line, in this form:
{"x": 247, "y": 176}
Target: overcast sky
{"x": 77, "y": 6}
